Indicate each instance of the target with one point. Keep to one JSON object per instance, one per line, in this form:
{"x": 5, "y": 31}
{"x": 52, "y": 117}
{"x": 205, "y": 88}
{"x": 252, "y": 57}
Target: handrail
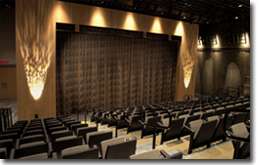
{"x": 157, "y": 127}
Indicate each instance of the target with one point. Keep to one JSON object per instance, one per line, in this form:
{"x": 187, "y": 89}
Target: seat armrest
{"x": 188, "y": 128}
{"x": 99, "y": 153}
{"x": 126, "y": 120}
{"x": 131, "y": 138}
{"x": 17, "y": 143}
{"x": 12, "y": 153}
{"x": 50, "y": 151}
{"x": 54, "y": 155}
{"x": 164, "y": 153}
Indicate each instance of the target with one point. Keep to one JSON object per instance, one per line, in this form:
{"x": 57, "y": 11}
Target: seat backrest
{"x": 31, "y": 149}
{"x": 33, "y": 138}
{"x": 68, "y": 124}
{"x": 240, "y": 130}
{"x": 59, "y": 134}
{"x": 54, "y": 129}
{"x": 8, "y": 144}
{"x": 152, "y": 121}
{"x": 74, "y": 127}
{"x": 12, "y": 136}
{"x": 95, "y": 138}
{"x": 121, "y": 150}
{"x": 152, "y": 154}
{"x": 79, "y": 152}
{"x": 195, "y": 126}
{"x": 206, "y": 132}
{"x": 105, "y": 143}
{"x": 84, "y": 130}
{"x": 66, "y": 142}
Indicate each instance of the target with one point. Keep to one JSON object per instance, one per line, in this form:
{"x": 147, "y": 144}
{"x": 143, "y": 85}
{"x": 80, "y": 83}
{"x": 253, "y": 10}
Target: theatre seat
{"x": 121, "y": 150}
{"x": 8, "y": 144}
{"x": 84, "y": 130}
{"x": 35, "y": 150}
{"x": 67, "y": 142}
{"x": 241, "y": 149}
{"x": 174, "y": 131}
{"x": 80, "y": 152}
{"x": 201, "y": 133}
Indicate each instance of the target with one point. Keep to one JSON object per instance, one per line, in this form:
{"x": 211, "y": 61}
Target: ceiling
{"x": 193, "y": 11}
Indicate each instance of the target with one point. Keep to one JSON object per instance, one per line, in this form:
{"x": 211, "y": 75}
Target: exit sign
{"x": 4, "y": 61}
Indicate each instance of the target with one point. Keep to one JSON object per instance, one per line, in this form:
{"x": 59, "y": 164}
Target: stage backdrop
{"x": 110, "y": 68}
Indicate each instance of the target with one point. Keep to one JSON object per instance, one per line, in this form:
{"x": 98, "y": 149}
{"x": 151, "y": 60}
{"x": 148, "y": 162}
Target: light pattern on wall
{"x": 188, "y": 63}
{"x": 34, "y": 35}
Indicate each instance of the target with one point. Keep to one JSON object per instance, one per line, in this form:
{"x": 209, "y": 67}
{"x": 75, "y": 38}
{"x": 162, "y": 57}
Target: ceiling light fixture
{"x": 240, "y": 5}
{"x": 184, "y": 17}
{"x": 236, "y": 17}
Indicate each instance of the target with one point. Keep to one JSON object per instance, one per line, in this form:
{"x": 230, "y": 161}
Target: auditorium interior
{"x": 128, "y": 79}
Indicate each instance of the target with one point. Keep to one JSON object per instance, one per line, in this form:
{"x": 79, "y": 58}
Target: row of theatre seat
{"x": 66, "y": 138}
{"x": 201, "y": 119}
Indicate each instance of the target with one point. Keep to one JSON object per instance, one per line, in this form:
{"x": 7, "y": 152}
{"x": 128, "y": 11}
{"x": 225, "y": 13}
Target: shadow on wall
{"x": 207, "y": 78}
{"x": 233, "y": 76}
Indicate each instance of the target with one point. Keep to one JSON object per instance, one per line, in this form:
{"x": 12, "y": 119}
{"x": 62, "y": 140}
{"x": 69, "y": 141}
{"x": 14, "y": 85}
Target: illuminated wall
{"x": 35, "y": 49}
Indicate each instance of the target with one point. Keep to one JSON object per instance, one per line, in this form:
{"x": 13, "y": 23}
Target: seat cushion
{"x": 36, "y": 156}
{"x": 32, "y": 144}
{"x": 74, "y": 150}
{"x": 152, "y": 154}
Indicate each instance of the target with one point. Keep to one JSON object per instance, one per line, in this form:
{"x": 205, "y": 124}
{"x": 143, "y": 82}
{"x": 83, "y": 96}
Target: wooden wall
{"x": 8, "y": 82}
{"x": 64, "y": 12}
{"x": 32, "y": 17}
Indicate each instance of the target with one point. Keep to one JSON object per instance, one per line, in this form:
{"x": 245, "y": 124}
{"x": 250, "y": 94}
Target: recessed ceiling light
{"x": 162, "y": 13}
{"x": 236, "y": 17}
{"x": 184, "y": 17}
{"x": 240, "y": 5}
{"x": 207, "y": 22}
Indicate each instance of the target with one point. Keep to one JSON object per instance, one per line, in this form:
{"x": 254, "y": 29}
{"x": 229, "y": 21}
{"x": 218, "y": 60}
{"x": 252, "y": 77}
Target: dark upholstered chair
{"x": 187, "y": 120}
{"x": 134, "y": 124}
{"x": 3, "y": 153}
{"x": 241, "y": 149}
{"x": 219, "y": 111}
{"x": 219, "y": 133}
{"x": 74, "y": 127}
{"x": 8, "y": 144}
{"x": 201, "y": 133}
{"x": 59, "y": 134}
{"x": 84, "y": 130}
{"x": 33, "y": 132}
{"x": 68, "y": 124}
{"x": 30, "y": 139}
{"x": 121, "y": 150}
{"x": 174, "y": 131}
{"x": 67, "y": 142}
{"x": 150, "y": 121}
{"x": 35, "y": 150}
{"x": 80, "y": 152}
{"x": 95, "y": 138}
{"x": 54, "y": 129}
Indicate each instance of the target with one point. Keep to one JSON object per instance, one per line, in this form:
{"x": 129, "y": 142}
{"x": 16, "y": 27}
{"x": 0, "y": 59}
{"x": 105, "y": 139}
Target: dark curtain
{"x": 110, "y": 71}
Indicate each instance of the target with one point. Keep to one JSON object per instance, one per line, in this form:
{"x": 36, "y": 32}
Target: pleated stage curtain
{"x": 111, "y": 71}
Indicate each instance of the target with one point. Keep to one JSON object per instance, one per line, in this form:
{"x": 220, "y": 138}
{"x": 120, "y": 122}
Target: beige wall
{"x": 63, "y": 12}
{"x": 8, "y": 78}
{"x": 32, "y": 20}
